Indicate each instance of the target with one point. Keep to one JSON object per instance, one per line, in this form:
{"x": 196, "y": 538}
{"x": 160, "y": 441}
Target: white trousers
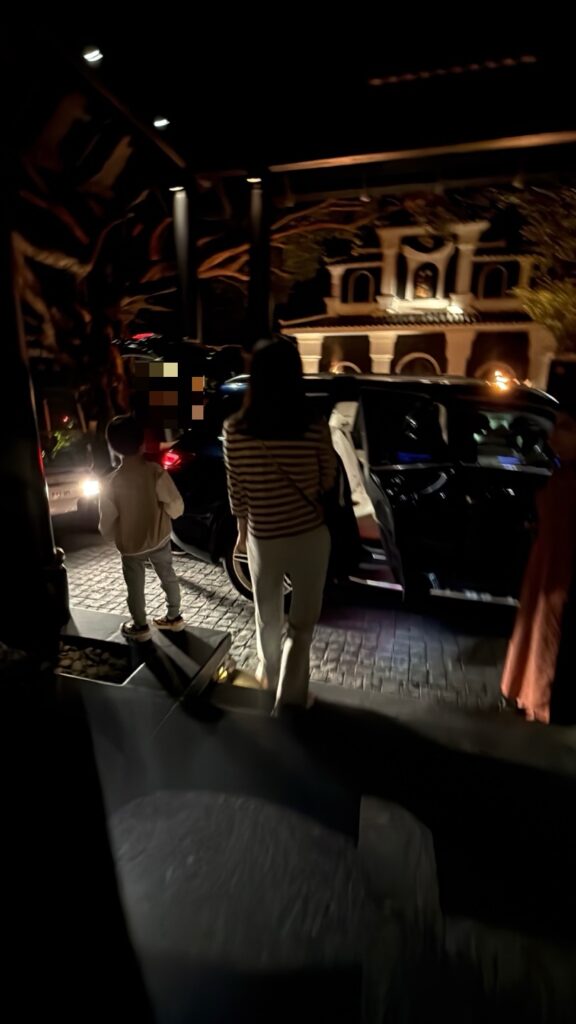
{"x": 305, "y": 560}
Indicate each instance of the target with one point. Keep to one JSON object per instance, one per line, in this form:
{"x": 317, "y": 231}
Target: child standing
{"x": 136, "y": 505}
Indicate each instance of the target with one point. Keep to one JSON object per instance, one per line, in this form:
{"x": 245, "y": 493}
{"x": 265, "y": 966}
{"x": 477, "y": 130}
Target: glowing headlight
{"x": 90, "y": 488}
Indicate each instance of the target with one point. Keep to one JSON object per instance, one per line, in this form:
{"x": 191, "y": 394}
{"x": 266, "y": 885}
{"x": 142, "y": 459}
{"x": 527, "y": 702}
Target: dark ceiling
{"x": 245, "y": 89}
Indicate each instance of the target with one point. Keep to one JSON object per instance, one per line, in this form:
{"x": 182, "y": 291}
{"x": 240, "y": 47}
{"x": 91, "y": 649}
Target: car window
{"x": 404, "y": 429}
{"x": 495, "y": 436}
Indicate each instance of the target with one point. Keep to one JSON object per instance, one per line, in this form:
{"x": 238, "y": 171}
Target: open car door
{"x": 381, "y": 564}
{"x": 401, "y": 437}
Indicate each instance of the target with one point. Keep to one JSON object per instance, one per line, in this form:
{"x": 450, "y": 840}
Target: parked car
{"x": 74, "y": 459}
{"x": 443, "y": 474}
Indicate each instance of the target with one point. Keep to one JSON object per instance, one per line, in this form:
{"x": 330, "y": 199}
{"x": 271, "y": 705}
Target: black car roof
{"x": 438, "y": 388}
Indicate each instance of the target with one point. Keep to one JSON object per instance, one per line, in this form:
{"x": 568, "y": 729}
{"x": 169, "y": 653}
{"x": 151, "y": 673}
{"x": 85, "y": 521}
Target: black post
{"x": 33, "y": 591}
{"x": 191, "y": 355}
{"x": 185, "y": 239}
{"x": 259, "y": 297}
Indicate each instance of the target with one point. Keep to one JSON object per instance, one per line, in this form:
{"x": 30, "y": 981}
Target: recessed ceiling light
{"x": 92, "y": 55}
{"x": 253, "y": 181}
{"x": 161, "y": 122}
{"x": 176, "y": 188}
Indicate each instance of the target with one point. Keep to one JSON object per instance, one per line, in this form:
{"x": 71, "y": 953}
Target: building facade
{"x": 421, "y": 305}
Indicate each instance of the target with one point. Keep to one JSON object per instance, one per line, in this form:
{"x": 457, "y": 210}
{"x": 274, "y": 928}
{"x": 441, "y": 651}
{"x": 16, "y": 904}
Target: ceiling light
{"x": 176, "y": 188}
{"x": 92, "y": 55}
{"x": 161, "y": 122}
{"x": 254, "y": 181}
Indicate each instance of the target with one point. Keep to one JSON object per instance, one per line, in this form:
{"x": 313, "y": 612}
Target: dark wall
{"x": 433, "y": 344}
{"x": 509, "y": 347}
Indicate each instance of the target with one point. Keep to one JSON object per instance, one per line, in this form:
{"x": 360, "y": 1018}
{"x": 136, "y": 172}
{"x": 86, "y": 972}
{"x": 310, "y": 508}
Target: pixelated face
{"x": 168, "y": 397}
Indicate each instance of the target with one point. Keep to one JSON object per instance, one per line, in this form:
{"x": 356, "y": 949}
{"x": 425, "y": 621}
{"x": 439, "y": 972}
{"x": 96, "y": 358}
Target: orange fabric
{"x": 533, "y": 650}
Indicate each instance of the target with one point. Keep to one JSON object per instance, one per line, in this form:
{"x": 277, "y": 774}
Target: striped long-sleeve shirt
{"x": 265, "y": 479}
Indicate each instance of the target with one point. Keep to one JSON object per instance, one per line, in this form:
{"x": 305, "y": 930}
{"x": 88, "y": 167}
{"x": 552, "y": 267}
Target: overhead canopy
{"x": 242, "y": 94}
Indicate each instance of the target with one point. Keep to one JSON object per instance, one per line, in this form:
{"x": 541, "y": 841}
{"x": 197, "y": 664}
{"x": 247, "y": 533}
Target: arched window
{"x": 425, "y": 281}
{"x": 493, "y": 282}
{"x": 361, "y": 287}
{"x": 418, "y": 364}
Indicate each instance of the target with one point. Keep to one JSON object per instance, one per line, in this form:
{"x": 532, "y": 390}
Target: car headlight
{"x": 90, "y": 488}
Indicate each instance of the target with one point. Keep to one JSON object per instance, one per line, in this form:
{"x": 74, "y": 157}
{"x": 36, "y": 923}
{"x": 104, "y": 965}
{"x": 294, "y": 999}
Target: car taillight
{"x": 171, "y": 460}
{"x": 176, "y": 460}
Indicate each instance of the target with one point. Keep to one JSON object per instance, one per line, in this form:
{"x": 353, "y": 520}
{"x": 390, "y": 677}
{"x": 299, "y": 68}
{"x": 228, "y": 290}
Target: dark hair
{"x": 275, "y": 405}
{"x": 125, "y": 435}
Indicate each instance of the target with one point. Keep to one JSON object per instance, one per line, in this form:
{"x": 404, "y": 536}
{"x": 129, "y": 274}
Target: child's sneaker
{"x": 133, "y": 632}
{"x": 175, "y": 624}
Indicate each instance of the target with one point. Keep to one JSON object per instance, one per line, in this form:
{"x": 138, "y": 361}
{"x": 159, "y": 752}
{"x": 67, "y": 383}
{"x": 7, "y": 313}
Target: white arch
{"x": 411, "y": 356}
{"x": 344, "y": 365}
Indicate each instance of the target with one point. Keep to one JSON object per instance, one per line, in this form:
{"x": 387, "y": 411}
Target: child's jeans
{"x": 134, "y": 569}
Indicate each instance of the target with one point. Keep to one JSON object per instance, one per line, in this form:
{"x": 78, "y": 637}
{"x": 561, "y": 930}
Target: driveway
{"x": 446, "y": 653}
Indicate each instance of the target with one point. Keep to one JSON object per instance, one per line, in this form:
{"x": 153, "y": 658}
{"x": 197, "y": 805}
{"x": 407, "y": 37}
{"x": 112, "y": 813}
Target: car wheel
{"x": 239, "y": 575}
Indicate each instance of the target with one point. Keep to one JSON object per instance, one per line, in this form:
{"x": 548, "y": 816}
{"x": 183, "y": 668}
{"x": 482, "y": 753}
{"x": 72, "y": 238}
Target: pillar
{"x": 310, "y": 349}
{"x": 259, "y": 298}
{"x": 525, "y": 272}
{"x": 186, "y": 260}
{"x": 466, "y": 251}
{"x": 336, "y": 275}
{"x": 412, "y": 263}
{"x": 441, "y": 286}
{"x": 382, "y": 346}
{"x": 191, "y": 355}
{"x": 458, "y": 350}
{"x": 542, "y": 350}
{"x": 389, "y": 282}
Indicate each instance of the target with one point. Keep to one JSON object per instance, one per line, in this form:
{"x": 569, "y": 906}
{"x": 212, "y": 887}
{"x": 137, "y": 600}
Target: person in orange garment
{"x": 541, "y": 630}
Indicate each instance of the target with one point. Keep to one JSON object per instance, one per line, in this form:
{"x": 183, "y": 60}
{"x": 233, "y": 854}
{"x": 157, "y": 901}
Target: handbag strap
{"x": 284, "y": 472}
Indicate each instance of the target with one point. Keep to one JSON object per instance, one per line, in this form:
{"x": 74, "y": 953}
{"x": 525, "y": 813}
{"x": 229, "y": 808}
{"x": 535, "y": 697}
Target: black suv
{"x": 443, "y": 474}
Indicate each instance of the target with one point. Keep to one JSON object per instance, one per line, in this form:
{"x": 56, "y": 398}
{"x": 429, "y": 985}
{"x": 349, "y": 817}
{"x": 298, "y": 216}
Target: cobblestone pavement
{"x": 447, "y": 655}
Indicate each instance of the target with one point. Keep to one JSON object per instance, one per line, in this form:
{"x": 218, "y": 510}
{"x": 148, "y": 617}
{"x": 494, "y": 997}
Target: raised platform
{"x": 183, "y": 663}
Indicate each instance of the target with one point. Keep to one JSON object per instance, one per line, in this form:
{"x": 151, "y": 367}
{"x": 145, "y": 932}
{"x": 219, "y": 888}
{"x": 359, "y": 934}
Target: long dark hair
{"x": 275, "y": 405}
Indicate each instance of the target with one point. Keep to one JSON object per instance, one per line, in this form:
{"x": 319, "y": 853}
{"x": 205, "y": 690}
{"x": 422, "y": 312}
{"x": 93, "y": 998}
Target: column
{"x": 542, "y": 350}
{"x": 389, "y": 283}
{"x": 310, "y": 349}
{"x": 459, "y": 343}
{"x": 441, "y": 286}
{"x": 259, "y": 298}
{"x": 466, "y": 251}
{"x": 382, "y": 346}
{"x": 412, "y": 261}
{"x": 336, "y": 275}
{"x": 185, "y": 242}
{"x": 525, "y": 272}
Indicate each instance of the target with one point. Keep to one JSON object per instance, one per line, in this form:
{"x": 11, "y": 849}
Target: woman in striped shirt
{"x": 279, "y": 463}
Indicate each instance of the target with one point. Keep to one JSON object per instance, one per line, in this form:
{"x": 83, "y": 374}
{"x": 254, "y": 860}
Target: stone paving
{"x": 448, "y": 654}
